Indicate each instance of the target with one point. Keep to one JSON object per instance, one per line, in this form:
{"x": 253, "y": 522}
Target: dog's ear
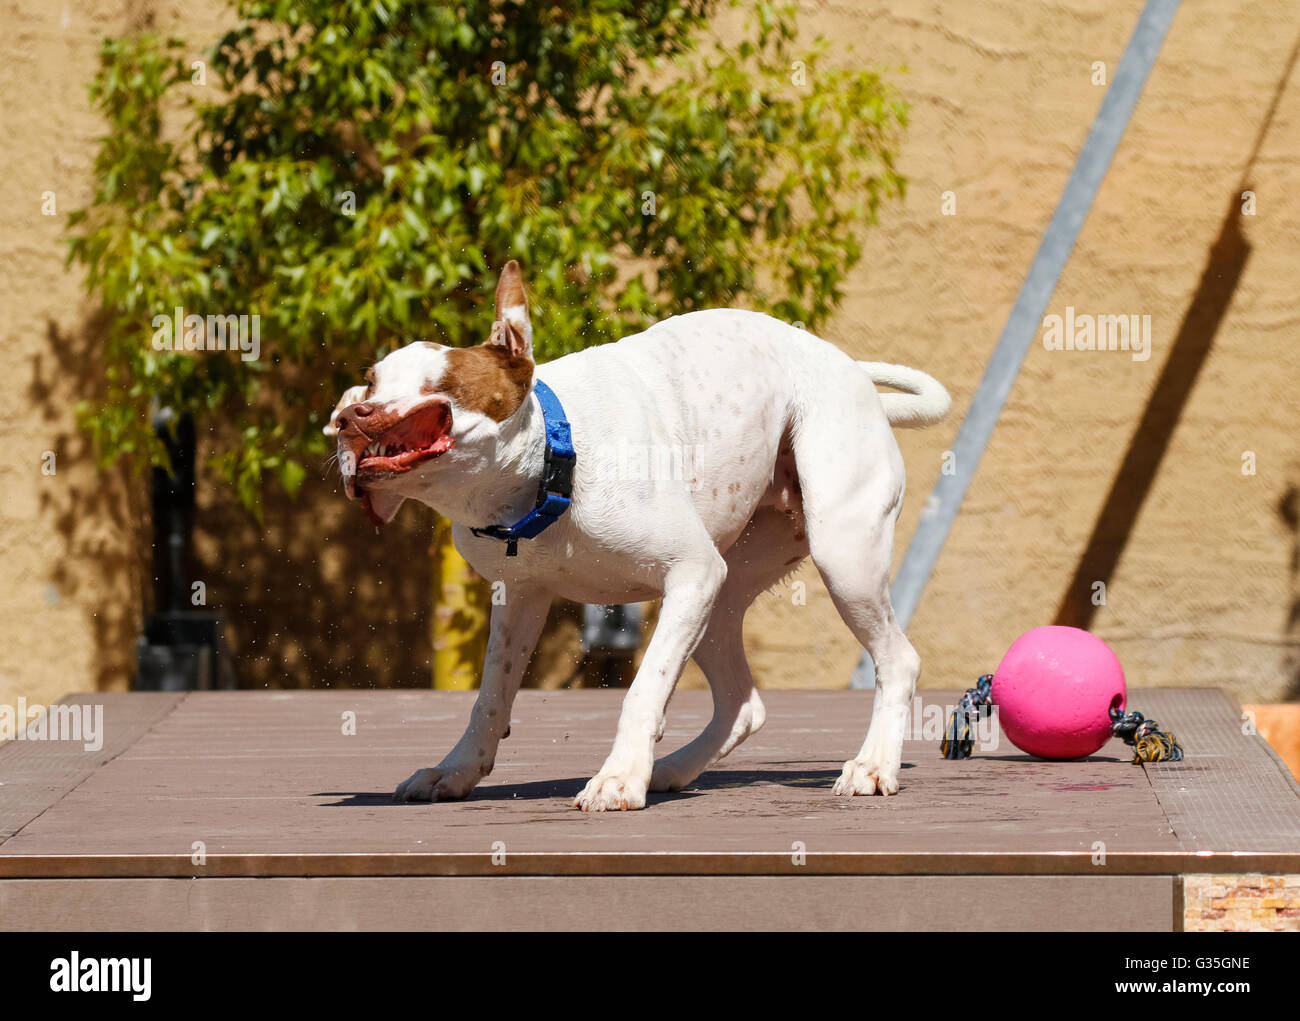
{"x": 352, "y": 395}
{"x": 512, "y": 329}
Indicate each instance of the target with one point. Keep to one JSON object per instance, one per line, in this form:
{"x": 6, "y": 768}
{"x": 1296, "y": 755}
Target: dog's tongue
{"x": 369, "y": 508}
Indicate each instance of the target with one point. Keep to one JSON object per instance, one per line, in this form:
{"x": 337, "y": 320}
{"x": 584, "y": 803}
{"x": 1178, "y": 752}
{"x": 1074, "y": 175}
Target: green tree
{"x": 355, "y": 172}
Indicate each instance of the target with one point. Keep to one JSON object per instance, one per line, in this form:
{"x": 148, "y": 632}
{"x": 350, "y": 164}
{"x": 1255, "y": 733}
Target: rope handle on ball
{"x": 976, "y": 704}
{"x": 1149, "y": 741}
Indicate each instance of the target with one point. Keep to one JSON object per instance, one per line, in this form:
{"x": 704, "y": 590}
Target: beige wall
{"x": 1204, "y": 582}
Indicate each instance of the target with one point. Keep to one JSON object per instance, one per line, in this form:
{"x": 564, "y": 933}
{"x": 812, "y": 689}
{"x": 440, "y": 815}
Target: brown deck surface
{"x": 271, "y": 786}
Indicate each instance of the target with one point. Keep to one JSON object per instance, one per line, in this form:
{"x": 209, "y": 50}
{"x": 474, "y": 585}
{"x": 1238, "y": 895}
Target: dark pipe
{"x": 181, "y": 648}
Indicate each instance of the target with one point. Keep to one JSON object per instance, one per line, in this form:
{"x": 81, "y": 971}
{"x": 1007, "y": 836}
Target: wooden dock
{"x": 275, "y": 816}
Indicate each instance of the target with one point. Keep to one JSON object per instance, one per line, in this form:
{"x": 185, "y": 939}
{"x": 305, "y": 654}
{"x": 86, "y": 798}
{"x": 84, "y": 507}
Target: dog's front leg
{"x": 513, "y": 634}
{"x": 690, "y": 589}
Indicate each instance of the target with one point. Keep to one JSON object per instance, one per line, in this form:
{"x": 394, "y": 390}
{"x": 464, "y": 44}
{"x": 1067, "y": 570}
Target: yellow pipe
{"x": 461, "y": 607}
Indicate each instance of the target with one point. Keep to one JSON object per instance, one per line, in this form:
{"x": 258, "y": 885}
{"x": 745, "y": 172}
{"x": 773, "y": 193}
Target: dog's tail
{"x": 924, "y": 401}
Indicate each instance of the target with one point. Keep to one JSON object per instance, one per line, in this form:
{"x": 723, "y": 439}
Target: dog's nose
{"x": 354, "y": 412}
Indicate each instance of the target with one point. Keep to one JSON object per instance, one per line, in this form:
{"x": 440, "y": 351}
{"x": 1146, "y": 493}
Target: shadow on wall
{"x": 1132, "y": 484}
{"x": 98, "y": 518}
{"x": 316, "y": 597}
{"x": 1204, "y": 317}
{"x": 1288, "y": 510}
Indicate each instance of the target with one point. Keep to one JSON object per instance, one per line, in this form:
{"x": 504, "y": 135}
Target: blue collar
{"x": 555, "y": 491}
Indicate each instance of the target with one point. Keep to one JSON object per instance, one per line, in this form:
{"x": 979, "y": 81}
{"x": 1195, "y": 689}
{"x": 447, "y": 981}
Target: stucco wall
{"x": 1203, "y": 587}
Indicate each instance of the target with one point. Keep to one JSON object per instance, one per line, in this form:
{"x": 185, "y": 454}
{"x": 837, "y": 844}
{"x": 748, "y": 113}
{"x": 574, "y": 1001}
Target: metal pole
{"x": 1022, "y": 324}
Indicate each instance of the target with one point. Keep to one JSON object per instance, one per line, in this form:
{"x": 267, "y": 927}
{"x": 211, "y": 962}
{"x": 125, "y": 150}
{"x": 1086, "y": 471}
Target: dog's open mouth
{"x": 419, "y": 436}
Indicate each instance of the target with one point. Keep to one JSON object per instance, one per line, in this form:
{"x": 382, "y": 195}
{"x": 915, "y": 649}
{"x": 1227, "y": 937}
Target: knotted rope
{"x": 976, "y": 704}
{"x": 1150, "y": 743}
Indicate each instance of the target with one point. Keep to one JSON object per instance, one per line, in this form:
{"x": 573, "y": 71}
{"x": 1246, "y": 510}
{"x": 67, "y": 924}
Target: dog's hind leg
{"x": 770, "y": 547}
{"x": 866, "y": 609}
{"x": 851, "y": 501}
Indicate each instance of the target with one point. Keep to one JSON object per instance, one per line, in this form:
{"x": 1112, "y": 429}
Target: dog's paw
{"x": 860, "y": 777}
{"x": 440, "y": 783}
{"x": 612, "y": 793}
{"x": 667, "y": 778}
{"x": 675, "y": 771}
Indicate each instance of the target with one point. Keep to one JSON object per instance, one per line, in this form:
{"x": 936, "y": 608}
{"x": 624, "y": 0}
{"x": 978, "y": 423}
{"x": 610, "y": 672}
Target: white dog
{"x": 770, "y": 445}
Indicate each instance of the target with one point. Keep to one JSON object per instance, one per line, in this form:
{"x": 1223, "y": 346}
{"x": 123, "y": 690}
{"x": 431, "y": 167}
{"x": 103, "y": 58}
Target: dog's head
{"x": 429, "y": 410}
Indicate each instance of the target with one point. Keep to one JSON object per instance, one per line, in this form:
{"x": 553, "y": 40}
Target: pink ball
{"x": 1054, "y": 690}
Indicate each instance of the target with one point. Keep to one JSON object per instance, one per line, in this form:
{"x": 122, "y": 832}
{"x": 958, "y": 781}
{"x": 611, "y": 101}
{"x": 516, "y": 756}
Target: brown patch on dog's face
{"x": 486, "y": 379}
